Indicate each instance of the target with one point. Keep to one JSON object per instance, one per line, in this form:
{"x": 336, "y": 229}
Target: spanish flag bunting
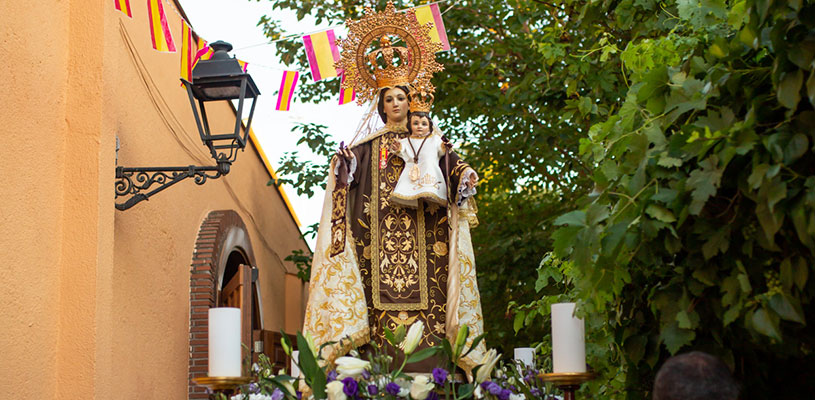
{"x": 286, "y": 92}
{"x": 244, "y": 65}
{"x": 159, "y": 29}
{"x": 204, "y": 53}
{"x": 189, "y": 48}
{"x": 346, "y": 96}
{"x": 124, "y": 7}
{"x": 322, "y": 51}
{"x": 430, "y": 13}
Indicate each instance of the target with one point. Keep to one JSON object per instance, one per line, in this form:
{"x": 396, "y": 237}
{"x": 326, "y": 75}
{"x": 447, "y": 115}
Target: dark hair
{"x": 380, "y": 107}
{"x": 418, "y": 114}
{"x": 695, "y": 376}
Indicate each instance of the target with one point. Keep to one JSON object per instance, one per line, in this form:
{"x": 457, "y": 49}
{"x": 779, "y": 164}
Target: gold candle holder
{"x": 568, "y": 382}
{"x": 222, "y": 384}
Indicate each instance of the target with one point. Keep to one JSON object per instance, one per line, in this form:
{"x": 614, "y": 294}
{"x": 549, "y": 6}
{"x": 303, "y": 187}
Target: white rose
{"x": 350, "y": 366}
{"x": 487, "y": 364}
{"x": 334, "y": 391}
{"x": 413, "y": 337}
{"x": 421, "y": 387}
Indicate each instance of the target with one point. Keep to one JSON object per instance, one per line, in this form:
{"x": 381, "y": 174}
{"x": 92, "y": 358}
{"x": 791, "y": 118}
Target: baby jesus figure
{"x": 422, "y": 177}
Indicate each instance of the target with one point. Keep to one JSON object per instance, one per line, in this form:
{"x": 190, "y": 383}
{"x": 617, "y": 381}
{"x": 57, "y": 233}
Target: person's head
{"x": 393, "y": 104}
{"x": 419, "y": 123}
{"x": 695, "y": 376}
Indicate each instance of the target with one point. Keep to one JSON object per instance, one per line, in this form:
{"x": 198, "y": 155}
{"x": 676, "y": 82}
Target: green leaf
{"x": 389, "y": 336}
{"x": 675, "y": 337}
{"x": 574, "y": 218}
{"x": 718, "y": 242}
{"x": 757, "y": 176}
{"x": 766, "y": 324}
{"x": 422, "y": 354}
{"x": 704, "y": 183}
{"x": 465, "y": 390}
{"x": 731, "y": 314}
{"x": 660, "y": 213}
{"x": 787, "y": 308}
{"x": 789, "y": 88}
{"x": 635, "y": 348}
{"x": 476, "y": 341}
{"x": 811, "y": 88}
{"x": 800, "y": 273}
{"x": 519, "y": 321}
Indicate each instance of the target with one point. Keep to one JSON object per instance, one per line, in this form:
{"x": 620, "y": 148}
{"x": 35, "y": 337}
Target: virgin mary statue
{"x": 378, "y": 263}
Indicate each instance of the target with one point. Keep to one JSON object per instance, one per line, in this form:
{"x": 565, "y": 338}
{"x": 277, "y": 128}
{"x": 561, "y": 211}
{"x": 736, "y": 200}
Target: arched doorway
{"x": 222, "y": 274}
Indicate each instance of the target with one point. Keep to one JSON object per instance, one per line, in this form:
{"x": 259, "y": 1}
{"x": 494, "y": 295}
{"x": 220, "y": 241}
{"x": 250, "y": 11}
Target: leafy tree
{"x": 672, "y": 144}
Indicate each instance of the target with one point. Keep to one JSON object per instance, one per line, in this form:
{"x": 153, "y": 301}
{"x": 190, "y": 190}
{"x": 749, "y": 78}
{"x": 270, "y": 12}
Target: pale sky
{"x": 235, "y": 21}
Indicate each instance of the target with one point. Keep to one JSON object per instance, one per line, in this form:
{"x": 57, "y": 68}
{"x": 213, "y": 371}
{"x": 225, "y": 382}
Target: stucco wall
{"x": 96, "y": 301}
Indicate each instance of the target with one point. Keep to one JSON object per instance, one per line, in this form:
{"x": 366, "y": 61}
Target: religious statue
{"x": 394, "y": 247}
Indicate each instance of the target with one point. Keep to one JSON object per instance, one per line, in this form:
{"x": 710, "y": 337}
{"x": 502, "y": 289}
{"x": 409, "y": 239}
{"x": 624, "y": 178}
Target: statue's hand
{"x": 396, "y": 147}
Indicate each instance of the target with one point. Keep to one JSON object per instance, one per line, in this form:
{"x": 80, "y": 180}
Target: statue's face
{"x": 396, "y": 105}
{"x": 420, "y": 126}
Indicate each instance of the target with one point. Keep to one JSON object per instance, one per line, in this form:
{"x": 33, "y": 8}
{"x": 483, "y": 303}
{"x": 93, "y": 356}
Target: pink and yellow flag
{"x": 244, "y": 65}
{"x": 286, "y": 92}
{"x": 189, "y": 48}
{"x": 346, "y": 96}
{"x": 322, "y": 51}
{"x": 124, "y": 7}
{"x": 430, "y": 13}
{"x": 204, "y": 52}
{"x": 159, "y": 29}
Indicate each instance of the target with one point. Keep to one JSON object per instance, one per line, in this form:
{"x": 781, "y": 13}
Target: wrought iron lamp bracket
{"x": 136, "y": 182}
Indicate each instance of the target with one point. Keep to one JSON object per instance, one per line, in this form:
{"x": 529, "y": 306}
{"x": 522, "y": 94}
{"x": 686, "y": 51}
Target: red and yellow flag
{"x": 286, "y": 92}
{"x": 430, "y": 13}
{"x": 189, "y": 48}
{"x": 244, "y": 65}
{"x": 124, "y": 7}
{"x": 346, "y": 96}
{"x": 204, "y": 52}
{"x": 322, "y": 51}
{"x": 159, "y": 29}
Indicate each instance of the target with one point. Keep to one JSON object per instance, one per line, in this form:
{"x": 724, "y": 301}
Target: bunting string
{"x": 320, "y": 44}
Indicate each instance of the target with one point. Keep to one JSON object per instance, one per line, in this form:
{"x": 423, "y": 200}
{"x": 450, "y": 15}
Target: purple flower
{"x": 332, "y": 376}
{"x": 392, "y": 389}
{"x": 491, "y": 387}
{"x": 299, "y": 394}
{"x": 253, "y": 388}
{"x": 504, "y": 395}
{"x": 373, "y": 390}
{"x": 349, "y": 387}
{"x": 439, "y": 376}
{"x": 535, "y": 392}
{"x": 433, "y": 395}
{"x": 365, "y": 374}
{"x": 277, "y": 394}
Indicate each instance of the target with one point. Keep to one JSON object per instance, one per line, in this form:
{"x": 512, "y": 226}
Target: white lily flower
{"x": 421, "y": 387}
{"x": 350, "y": 366}
{"x": 519, "y": 396}
{"x": 311, "y": 345}
{"x": 334, "y": 391}
{"x": 403, "y": 392}
{"x": 487, "y": 364}
{"x": 478, "y": 393}
{"x": 413, "y": 337}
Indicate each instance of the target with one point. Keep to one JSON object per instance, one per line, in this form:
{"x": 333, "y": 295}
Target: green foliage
{"x": 663, "y": 150}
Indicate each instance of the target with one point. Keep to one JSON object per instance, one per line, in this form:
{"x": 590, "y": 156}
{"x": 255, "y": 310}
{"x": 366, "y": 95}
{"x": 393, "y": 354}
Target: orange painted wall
{"x": 96, "y": 301}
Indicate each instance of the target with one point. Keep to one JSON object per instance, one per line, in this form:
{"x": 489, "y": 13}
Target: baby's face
{"x": 420, "y": 126}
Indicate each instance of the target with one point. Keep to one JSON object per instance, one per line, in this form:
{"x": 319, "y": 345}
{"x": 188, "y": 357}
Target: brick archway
{"x": 221, "y": 233}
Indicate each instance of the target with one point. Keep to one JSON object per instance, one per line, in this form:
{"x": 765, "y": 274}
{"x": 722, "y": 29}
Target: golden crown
{"x": 421, "y": 99}
{"x": 388, "y": 65}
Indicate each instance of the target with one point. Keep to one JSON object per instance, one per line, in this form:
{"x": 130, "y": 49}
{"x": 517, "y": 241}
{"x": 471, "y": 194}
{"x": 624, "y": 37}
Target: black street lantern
{"x": 220, "y": 78}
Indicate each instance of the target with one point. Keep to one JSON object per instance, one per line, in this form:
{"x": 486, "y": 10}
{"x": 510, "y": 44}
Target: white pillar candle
{"x": 526, "y": 356}
{"x": 295, "y": 357}
{"x": 568, "y": 339}
{"x": 225, "y": 341}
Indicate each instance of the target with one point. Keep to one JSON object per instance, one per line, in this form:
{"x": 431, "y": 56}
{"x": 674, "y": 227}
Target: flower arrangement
{"x": 379, "y": 378}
